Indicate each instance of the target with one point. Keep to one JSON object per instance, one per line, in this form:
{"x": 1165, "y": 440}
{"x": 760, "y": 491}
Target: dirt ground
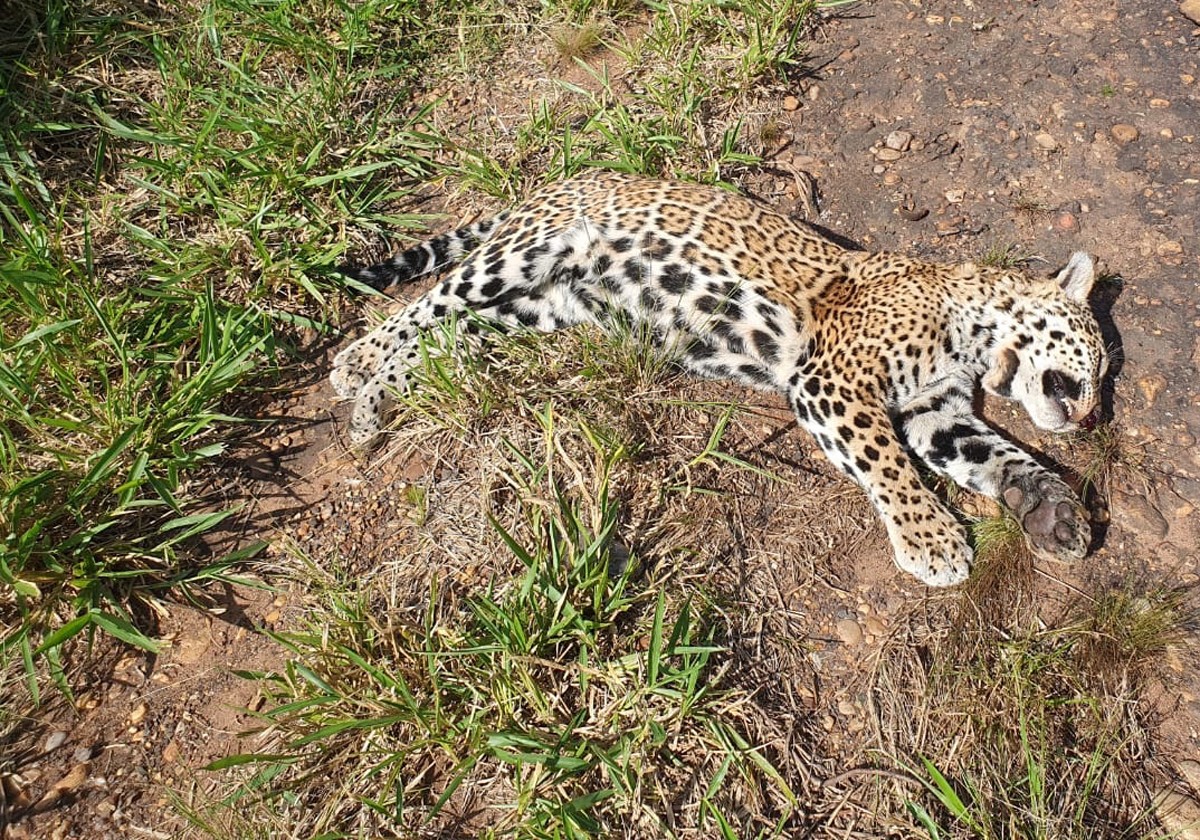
{"x": 1044, "y": 127}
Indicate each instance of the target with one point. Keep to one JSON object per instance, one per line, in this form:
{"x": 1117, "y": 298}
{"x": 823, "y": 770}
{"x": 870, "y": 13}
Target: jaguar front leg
{"x": 857, "y": 435}
{"x": 943, "y": 431}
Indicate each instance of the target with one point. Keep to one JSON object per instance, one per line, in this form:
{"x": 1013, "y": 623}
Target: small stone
{"x": 875, "y": 625}
{"x": 791, "y": 103}
{"x": 1179, "y": 814}
{"x": 814, "y": 92}
{"x": 1168, "y": 248}
{"x": 898, "y": 140}
{"x": 138, "y": 714}
{"x": 892, "y": 179}
{"x": 1138, "y": 514}
{"x": 82, "y": 755}
{"x": 886, "y": 154}
{"x": 1160, "y": 103}
{"x": 1124, "y": 133}
{"x": 955, "y": 196}
{"x": 1191, "y": 10}
{"x": 1151, "y": 386}
{"x": 170, "y": 753}
{"x": 1066, "y": 222}
{"x": 849, "y": 631}
{"x": 846, "y": 708}
{"x": 1190, "y": 770}
{"x": 54, "y": 740}
{"x": 1045, "y": 141}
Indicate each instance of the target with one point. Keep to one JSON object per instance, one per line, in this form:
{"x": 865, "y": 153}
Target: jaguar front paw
{"x": 937, "y": 555}
{"x": 1054, "y": 521}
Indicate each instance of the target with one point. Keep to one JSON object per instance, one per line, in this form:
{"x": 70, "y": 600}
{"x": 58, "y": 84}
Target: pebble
{"x": 1191, "y": 772}
{"x": 791, "y": 103}
{"x": 1179, "y": 814}
{"x": 849, "y": 631}
{"x": 1045, "y": 141}
{"x": 888, "y": 154}
{"x": 1151, "y": 386}
{"x": 1137, "y": 514}
{"x": 955, "y": 196}
{"x": 1124, "y": 133}
{"x": 892, "y": 179}
{"x": 55, "y": 740}
{"x": 1066, "y": 222}
{"x": 898, "y": 140}
{"x": 875, "y": 626}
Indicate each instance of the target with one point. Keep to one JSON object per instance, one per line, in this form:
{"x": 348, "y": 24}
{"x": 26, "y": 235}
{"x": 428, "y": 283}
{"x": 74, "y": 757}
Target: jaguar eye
{"x": 1059, "y": 385}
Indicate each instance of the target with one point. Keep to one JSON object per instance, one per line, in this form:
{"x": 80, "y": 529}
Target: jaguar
{"x": 879, "y": 355}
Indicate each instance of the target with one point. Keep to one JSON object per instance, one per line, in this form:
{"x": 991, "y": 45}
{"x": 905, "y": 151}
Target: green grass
{"x": 561, "y": 699}
{"x": 174, "y": 187}
{"x": 698, "y": 106}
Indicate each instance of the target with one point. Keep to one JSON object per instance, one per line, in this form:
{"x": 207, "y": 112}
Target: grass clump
{"x": 574, "y": 41}
{"x": 577, "y": 689}
{"x": 1005, "y": 256}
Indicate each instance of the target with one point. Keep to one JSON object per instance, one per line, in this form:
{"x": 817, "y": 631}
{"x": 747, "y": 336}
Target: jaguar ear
{"x": 1077, "y": 279}
{"x": 998, "y": 379}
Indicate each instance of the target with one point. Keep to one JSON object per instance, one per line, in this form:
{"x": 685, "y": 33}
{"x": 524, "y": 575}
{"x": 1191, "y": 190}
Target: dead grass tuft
{"x": 1126, "y": 628}
{"x": 1001, "y": 586}
{"x": 576, "y": 40}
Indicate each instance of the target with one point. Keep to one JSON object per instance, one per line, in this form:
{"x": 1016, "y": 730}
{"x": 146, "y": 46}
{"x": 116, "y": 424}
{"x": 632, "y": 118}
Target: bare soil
{"x": 1044, "y": 127}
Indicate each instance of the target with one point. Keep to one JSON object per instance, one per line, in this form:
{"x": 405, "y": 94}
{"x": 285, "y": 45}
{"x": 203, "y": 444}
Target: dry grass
{"x": 576, "y": 40}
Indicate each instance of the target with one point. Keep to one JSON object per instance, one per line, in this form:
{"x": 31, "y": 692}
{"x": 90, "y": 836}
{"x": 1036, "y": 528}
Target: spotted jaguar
{"x": 878, "y": 354}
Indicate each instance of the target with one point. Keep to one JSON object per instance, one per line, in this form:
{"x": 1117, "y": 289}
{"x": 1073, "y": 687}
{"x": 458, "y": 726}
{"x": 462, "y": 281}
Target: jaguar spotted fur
{"x": 879, "y": 355}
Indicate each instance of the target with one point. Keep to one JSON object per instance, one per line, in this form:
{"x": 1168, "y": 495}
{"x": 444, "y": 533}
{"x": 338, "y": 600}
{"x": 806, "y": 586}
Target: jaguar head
{"x": 1053, "y": 359}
